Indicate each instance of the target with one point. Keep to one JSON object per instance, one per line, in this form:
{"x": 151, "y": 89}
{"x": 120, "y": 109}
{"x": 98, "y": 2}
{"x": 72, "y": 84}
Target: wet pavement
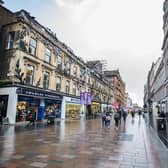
{"x": 78, "y": 144}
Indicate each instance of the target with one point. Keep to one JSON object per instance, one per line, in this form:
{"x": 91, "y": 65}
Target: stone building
{"x": 41, "y": 74}
{"x": 155, "y": 91}
{"x": 118, "y": 85}
{"x": 165, "y": 48}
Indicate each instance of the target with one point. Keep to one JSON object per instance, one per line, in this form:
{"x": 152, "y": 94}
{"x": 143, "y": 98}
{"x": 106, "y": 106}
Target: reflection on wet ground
{"x": 78, "y": 144}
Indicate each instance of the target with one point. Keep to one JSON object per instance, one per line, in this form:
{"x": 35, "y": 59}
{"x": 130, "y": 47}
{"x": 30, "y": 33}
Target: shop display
{"x": 73, "y": 111}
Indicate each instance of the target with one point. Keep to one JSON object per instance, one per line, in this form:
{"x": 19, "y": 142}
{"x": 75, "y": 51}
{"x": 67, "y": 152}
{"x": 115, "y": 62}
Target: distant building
{"x": 128, "y": 101}
{"x": 114, "y": 77}
{"x": 165, "y": 50}
{"x": 96, "y": 66}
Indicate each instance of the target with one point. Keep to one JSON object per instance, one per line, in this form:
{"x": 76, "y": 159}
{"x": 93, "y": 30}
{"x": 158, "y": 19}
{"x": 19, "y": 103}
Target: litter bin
{"x": 161, "y": 124}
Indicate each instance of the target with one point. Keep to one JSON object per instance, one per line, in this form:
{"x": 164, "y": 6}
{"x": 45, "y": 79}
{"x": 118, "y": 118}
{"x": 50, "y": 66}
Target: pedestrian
{"x": 132, "y": 114}
{"x": 124, "y": 116}
{"x": 120, "y": 111}
{"x": 107, "y": 120}
{"x": 31, "y": 118}
{"x": 139, "y": 113}
{"x": 162, "y": 121}
{"x": 116, "y": 119}
{"x": 103, "y": 118}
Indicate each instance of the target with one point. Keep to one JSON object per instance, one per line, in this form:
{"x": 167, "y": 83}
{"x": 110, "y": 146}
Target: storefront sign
{"x": 75, "y": 100}
{"x": 72, "y": 100}
{"x": 37, "y": 93}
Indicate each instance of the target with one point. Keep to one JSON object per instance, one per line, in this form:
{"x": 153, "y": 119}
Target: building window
{"x": 67, "y": 67}
{"x": 59, "y": 63}
{"x": 29, "y": 74}
{"x": 74, "y": 89}
{"x": 58, "y": 83}
{"x": 81, "y": 73}
{"x": 10, "y": 40}
{"x": 67, "y": 87}
{"x": 48, "y": 55}
{"x": 32, "y": 46}
{"x": 75, "y": 71}
{"x": 46, "y": 80}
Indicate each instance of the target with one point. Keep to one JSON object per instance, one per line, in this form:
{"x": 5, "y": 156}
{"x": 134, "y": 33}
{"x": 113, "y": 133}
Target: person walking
{"x": 139, "y": 113}
{"x": 31, "y": 118}
{"x": 121, "y": 115}
{"x": 103, "y": 118}
{"x": 116, "y": 119}
{"x": 107, "y": 120}
{"x": 162, "y": 121}
{"x": 124, "y": 116}
{"x": 133, "y": 115}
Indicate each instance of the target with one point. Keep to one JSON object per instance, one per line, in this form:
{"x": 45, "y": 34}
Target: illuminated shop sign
{"x": 73, "y": 100}
{"x": 37, "y": 93}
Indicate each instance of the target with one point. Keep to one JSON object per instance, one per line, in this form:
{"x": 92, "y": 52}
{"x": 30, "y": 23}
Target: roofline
{"x": 6, "y": 9}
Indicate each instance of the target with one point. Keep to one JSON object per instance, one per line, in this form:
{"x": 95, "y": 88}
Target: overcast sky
{"x": 126, "y": 33}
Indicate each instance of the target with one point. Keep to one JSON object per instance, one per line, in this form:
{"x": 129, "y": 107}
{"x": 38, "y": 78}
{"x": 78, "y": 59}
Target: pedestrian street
{"x": 78, "y": 144}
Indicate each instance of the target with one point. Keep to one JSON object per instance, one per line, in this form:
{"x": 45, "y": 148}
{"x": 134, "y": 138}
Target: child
{"x": 108, "y": 121}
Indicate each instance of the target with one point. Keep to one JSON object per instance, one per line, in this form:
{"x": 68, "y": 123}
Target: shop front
{"x": 96, "y": 109}
{"x": 38, "y": 102}
{"x": 71, "y": 108}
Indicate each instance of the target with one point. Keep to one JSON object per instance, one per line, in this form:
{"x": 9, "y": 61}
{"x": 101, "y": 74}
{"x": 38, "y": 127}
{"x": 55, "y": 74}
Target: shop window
{"x": 10, "y": 40}
{"x": 32, "y": 46}
{"x": 67, "y": 87}
{"x": 27, "y": 106}
{"x": 48, "y": 55}
{"x": 74, "y": 89}
{"x": 73, "y": 111}
{"x": 58, "y": 83}
{"x": 59, "y": 63}
{"x": 29, "y": 74}
{"x": 46, "y": 80}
